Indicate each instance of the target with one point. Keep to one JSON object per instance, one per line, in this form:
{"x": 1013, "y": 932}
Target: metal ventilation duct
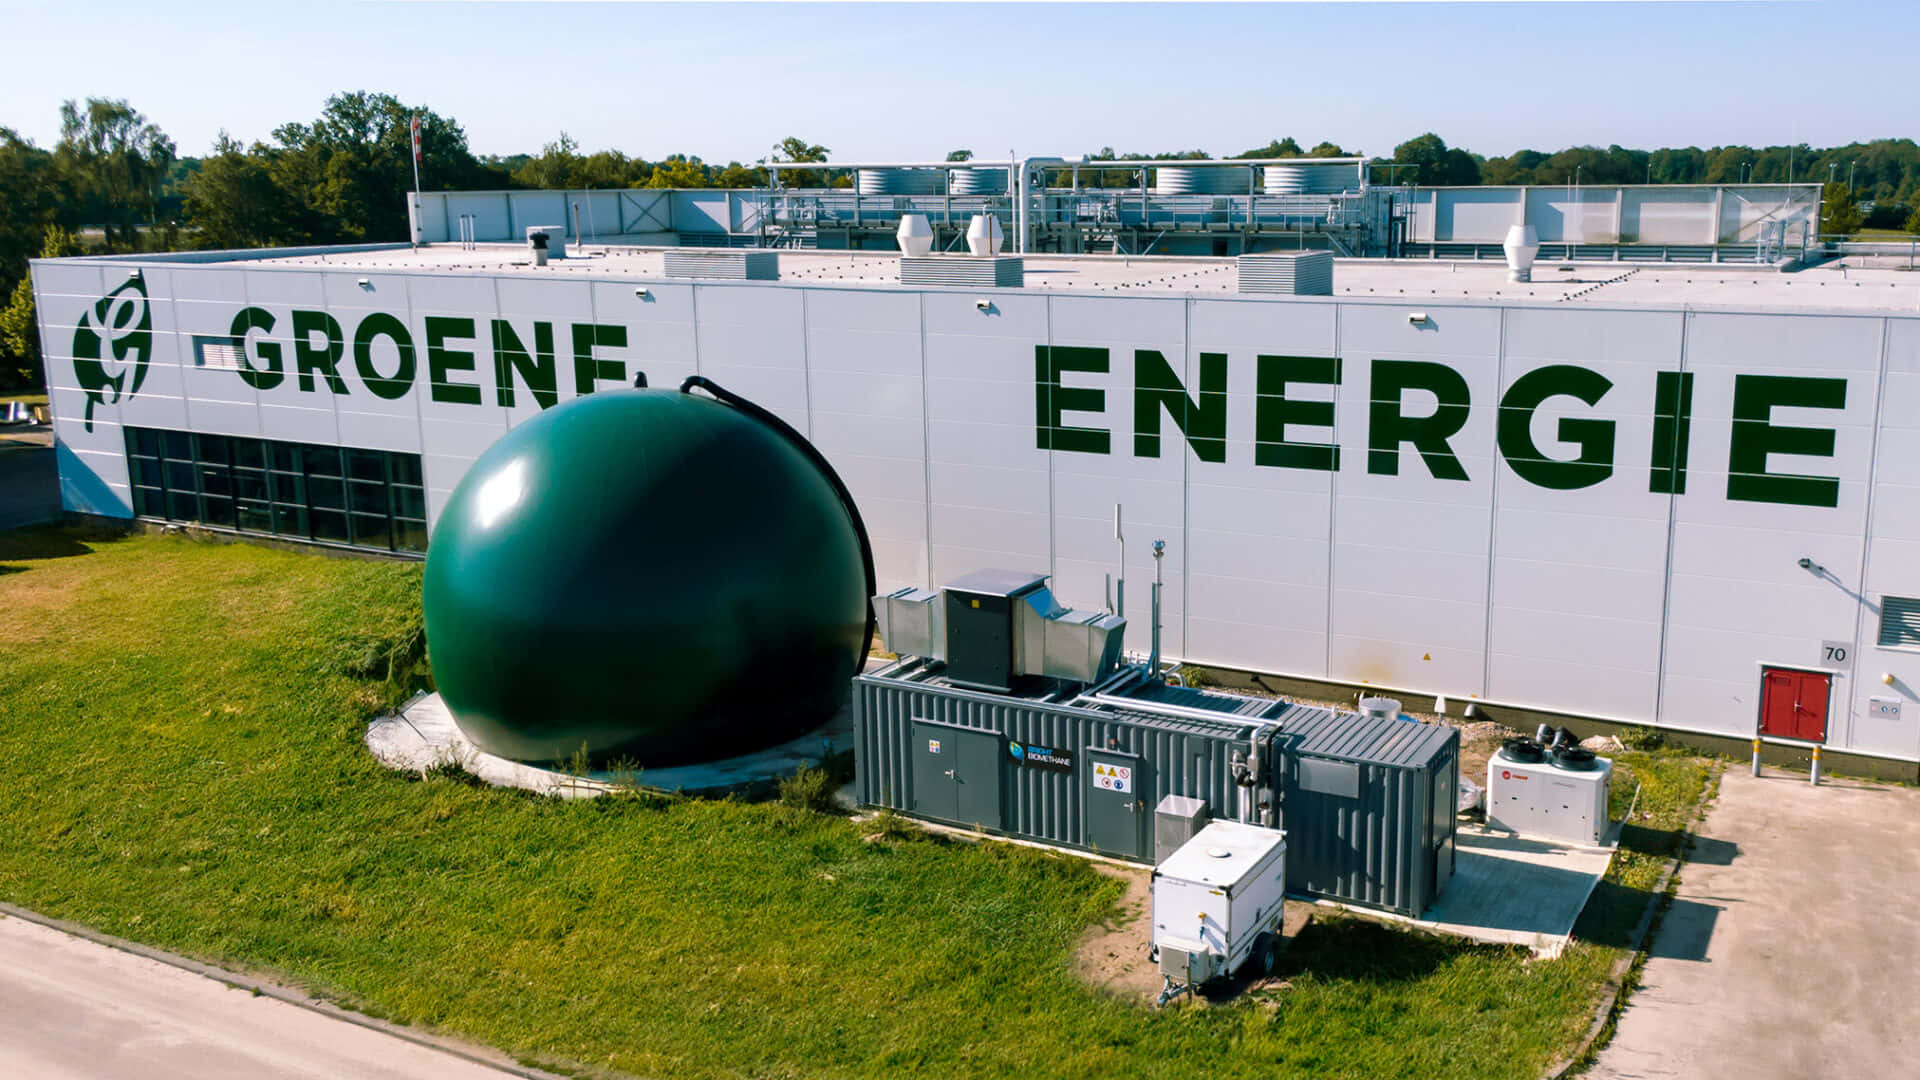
{"x": 1312, "y": 179}
{"x": 1287, "y": 273}
{"x": 1200, "y": 180}
{"x": 734, "y": 265}
{"x": 993, "y": 271}
{"x": 897, "y": 181}
{"x": 977, "y": 181}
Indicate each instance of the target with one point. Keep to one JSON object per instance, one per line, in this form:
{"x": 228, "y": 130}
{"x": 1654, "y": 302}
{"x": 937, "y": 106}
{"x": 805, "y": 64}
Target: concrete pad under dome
{"x": 423, "y": 734}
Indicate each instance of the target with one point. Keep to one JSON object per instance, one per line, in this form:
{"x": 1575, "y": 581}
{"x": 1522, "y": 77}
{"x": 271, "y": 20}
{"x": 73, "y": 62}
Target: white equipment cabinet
{"x": 1218, "y": 903}
{"x": 1543, "y": 798}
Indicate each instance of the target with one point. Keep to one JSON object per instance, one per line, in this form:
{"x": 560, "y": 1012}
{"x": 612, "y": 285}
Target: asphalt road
{"x": 71, "y": 1009}
{"x": 1792, "y": 942}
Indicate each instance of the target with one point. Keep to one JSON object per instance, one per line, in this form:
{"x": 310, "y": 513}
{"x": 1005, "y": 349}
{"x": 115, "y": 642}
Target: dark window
{"x": 369, "y": 498}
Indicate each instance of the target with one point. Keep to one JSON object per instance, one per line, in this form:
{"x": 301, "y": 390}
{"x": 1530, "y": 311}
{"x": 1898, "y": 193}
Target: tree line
{"x": 116, "y": 182}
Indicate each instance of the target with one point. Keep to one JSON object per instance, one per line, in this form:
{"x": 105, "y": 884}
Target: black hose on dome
{"x": 819, "y": 460}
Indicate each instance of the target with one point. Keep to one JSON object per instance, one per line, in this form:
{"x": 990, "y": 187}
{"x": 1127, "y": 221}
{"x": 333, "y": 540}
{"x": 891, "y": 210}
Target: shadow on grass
{"x": 36, "y": 542}
{"x": 1362, "y": 950}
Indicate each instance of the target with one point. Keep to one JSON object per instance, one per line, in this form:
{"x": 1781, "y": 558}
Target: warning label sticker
{"x": 1113, "y": 777}
{"x": 933, "y": 746}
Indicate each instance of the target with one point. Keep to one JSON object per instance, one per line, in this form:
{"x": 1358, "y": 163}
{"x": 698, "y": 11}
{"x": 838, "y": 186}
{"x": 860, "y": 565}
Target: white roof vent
{"x": 1522, "y": 247}
{"x": 915, "y": 235}
{"x": 984, "y": 236}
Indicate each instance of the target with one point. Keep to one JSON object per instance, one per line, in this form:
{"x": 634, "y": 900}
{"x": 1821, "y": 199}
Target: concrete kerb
{"x": 477, "y": 1055}
{"x": 1619, "y": 978}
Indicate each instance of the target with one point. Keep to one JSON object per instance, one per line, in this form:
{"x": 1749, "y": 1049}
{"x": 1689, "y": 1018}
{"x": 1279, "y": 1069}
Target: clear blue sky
{"x": 891, "y": 81}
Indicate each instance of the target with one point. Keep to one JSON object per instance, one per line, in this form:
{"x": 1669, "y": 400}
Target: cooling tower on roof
{"x": 1312, "y": 179}
{"x": 987, "y": 181}
{"x": 1200, "y": 180}
{"x": 897, "y": 181}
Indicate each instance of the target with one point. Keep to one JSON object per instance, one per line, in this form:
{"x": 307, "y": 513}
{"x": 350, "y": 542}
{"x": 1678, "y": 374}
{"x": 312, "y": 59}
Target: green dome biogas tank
{"x": 645, "y": 574}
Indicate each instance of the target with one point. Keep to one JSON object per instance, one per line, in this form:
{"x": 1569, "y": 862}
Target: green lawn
{"x": 39, "y": 398}
{"x": 180, "y": 748}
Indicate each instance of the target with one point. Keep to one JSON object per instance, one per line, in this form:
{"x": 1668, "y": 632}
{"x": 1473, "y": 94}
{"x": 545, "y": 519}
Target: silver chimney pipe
{"x": 1120, "y": 586}
{"x": 1153, "y": 658}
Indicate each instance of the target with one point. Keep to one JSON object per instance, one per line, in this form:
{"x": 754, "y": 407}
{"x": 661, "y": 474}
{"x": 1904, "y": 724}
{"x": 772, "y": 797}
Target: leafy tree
{"x": 959, "y": 155}
{"x": 233, "y": 201}
{"x": 1839, "y": 215}
{"x": 20, "y": 357}
{"x": 1277, "y": 148}
{"x": 736, "y": 175}
{"x": 349, "y": 171}
{"x": 793, "y": 148}
{"x": 679, "y": 171}
{"x": 1436, "y": 164}
{"x": 1327, "y": 149}
{"x": 558, "y": 166}
{"x": 35, "y": 196}
{"x": 1913, "y": 222}
{"x": 116, "y": 159}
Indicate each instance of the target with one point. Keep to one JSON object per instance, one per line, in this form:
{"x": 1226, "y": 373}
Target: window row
{"x": 330, "y": 494}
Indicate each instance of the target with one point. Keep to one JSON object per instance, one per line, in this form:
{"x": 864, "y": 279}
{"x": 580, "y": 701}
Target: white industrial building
{"x": 1685, "y": 495}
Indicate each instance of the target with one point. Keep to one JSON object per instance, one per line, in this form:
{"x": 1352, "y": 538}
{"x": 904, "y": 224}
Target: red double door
{"x": 1793, "y": 704}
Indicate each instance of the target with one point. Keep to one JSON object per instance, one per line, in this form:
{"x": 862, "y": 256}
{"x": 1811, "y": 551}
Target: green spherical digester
{"x": 648, "y": 575}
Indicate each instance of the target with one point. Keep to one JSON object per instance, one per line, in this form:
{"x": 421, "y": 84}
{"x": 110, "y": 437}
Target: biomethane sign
{"x": 479, "y": 361}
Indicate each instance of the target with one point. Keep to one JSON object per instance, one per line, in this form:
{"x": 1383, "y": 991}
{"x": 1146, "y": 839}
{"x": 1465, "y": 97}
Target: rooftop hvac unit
{"x": 727, "y": 265}
{"x": 1201, "y": 180}
{"x": 1287, "y": 273}
{"x": 1312, "y": 179}
{"x": 994, "y": 627}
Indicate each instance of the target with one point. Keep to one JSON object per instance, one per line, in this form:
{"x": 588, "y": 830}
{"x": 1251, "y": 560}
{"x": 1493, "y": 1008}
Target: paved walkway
{"x": 1792, "y": 948}
{"x": 71, "y": 1009}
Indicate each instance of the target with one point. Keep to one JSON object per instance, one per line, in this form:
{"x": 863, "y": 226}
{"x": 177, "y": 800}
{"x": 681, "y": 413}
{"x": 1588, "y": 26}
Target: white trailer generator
{"x": 1217, "y": 905}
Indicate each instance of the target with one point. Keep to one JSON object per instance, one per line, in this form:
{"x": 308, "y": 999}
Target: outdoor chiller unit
{"x": 1538, "y": 792}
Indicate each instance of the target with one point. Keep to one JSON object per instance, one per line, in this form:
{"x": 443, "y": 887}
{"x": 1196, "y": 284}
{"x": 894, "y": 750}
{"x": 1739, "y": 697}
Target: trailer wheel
{"x": 1266, "y": 955}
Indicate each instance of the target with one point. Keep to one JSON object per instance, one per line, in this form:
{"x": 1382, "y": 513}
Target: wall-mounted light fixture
{"x": 641, "y": 292}
{"x": 366, "y": 283}
{"x": 1418, "y": 318}
{"x": 983, "y": 305}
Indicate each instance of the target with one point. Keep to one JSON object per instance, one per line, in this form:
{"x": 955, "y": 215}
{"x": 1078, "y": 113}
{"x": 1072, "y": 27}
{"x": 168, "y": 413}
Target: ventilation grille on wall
{"x": 1899, "y": 623}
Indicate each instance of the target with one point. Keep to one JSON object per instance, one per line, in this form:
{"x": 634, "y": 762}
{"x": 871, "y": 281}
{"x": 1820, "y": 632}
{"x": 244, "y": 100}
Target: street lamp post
{"x": 1850, "y": 166}
{"x": 1831, "y": 165}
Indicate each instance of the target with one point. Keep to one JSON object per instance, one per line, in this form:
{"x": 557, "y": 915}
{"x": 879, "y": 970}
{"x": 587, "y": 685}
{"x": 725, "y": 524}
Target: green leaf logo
{"x": 118, "y": 332}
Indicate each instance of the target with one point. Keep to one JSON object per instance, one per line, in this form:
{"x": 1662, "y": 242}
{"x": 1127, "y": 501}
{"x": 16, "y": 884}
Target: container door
{"x": 935, "y": 793}
{"x": 1117, "y": 807}
{"x": 1793, "y": 704}
{"x": 956, "y": 774}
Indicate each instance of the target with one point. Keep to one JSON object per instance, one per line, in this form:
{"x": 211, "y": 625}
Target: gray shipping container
{"x": 1367, "y": 804}
{"x": 1056, "y": 773}
{"x": 1369, "y": 807}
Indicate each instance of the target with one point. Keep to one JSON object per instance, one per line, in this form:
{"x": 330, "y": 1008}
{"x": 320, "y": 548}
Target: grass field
{"x": 182, "y": 761}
